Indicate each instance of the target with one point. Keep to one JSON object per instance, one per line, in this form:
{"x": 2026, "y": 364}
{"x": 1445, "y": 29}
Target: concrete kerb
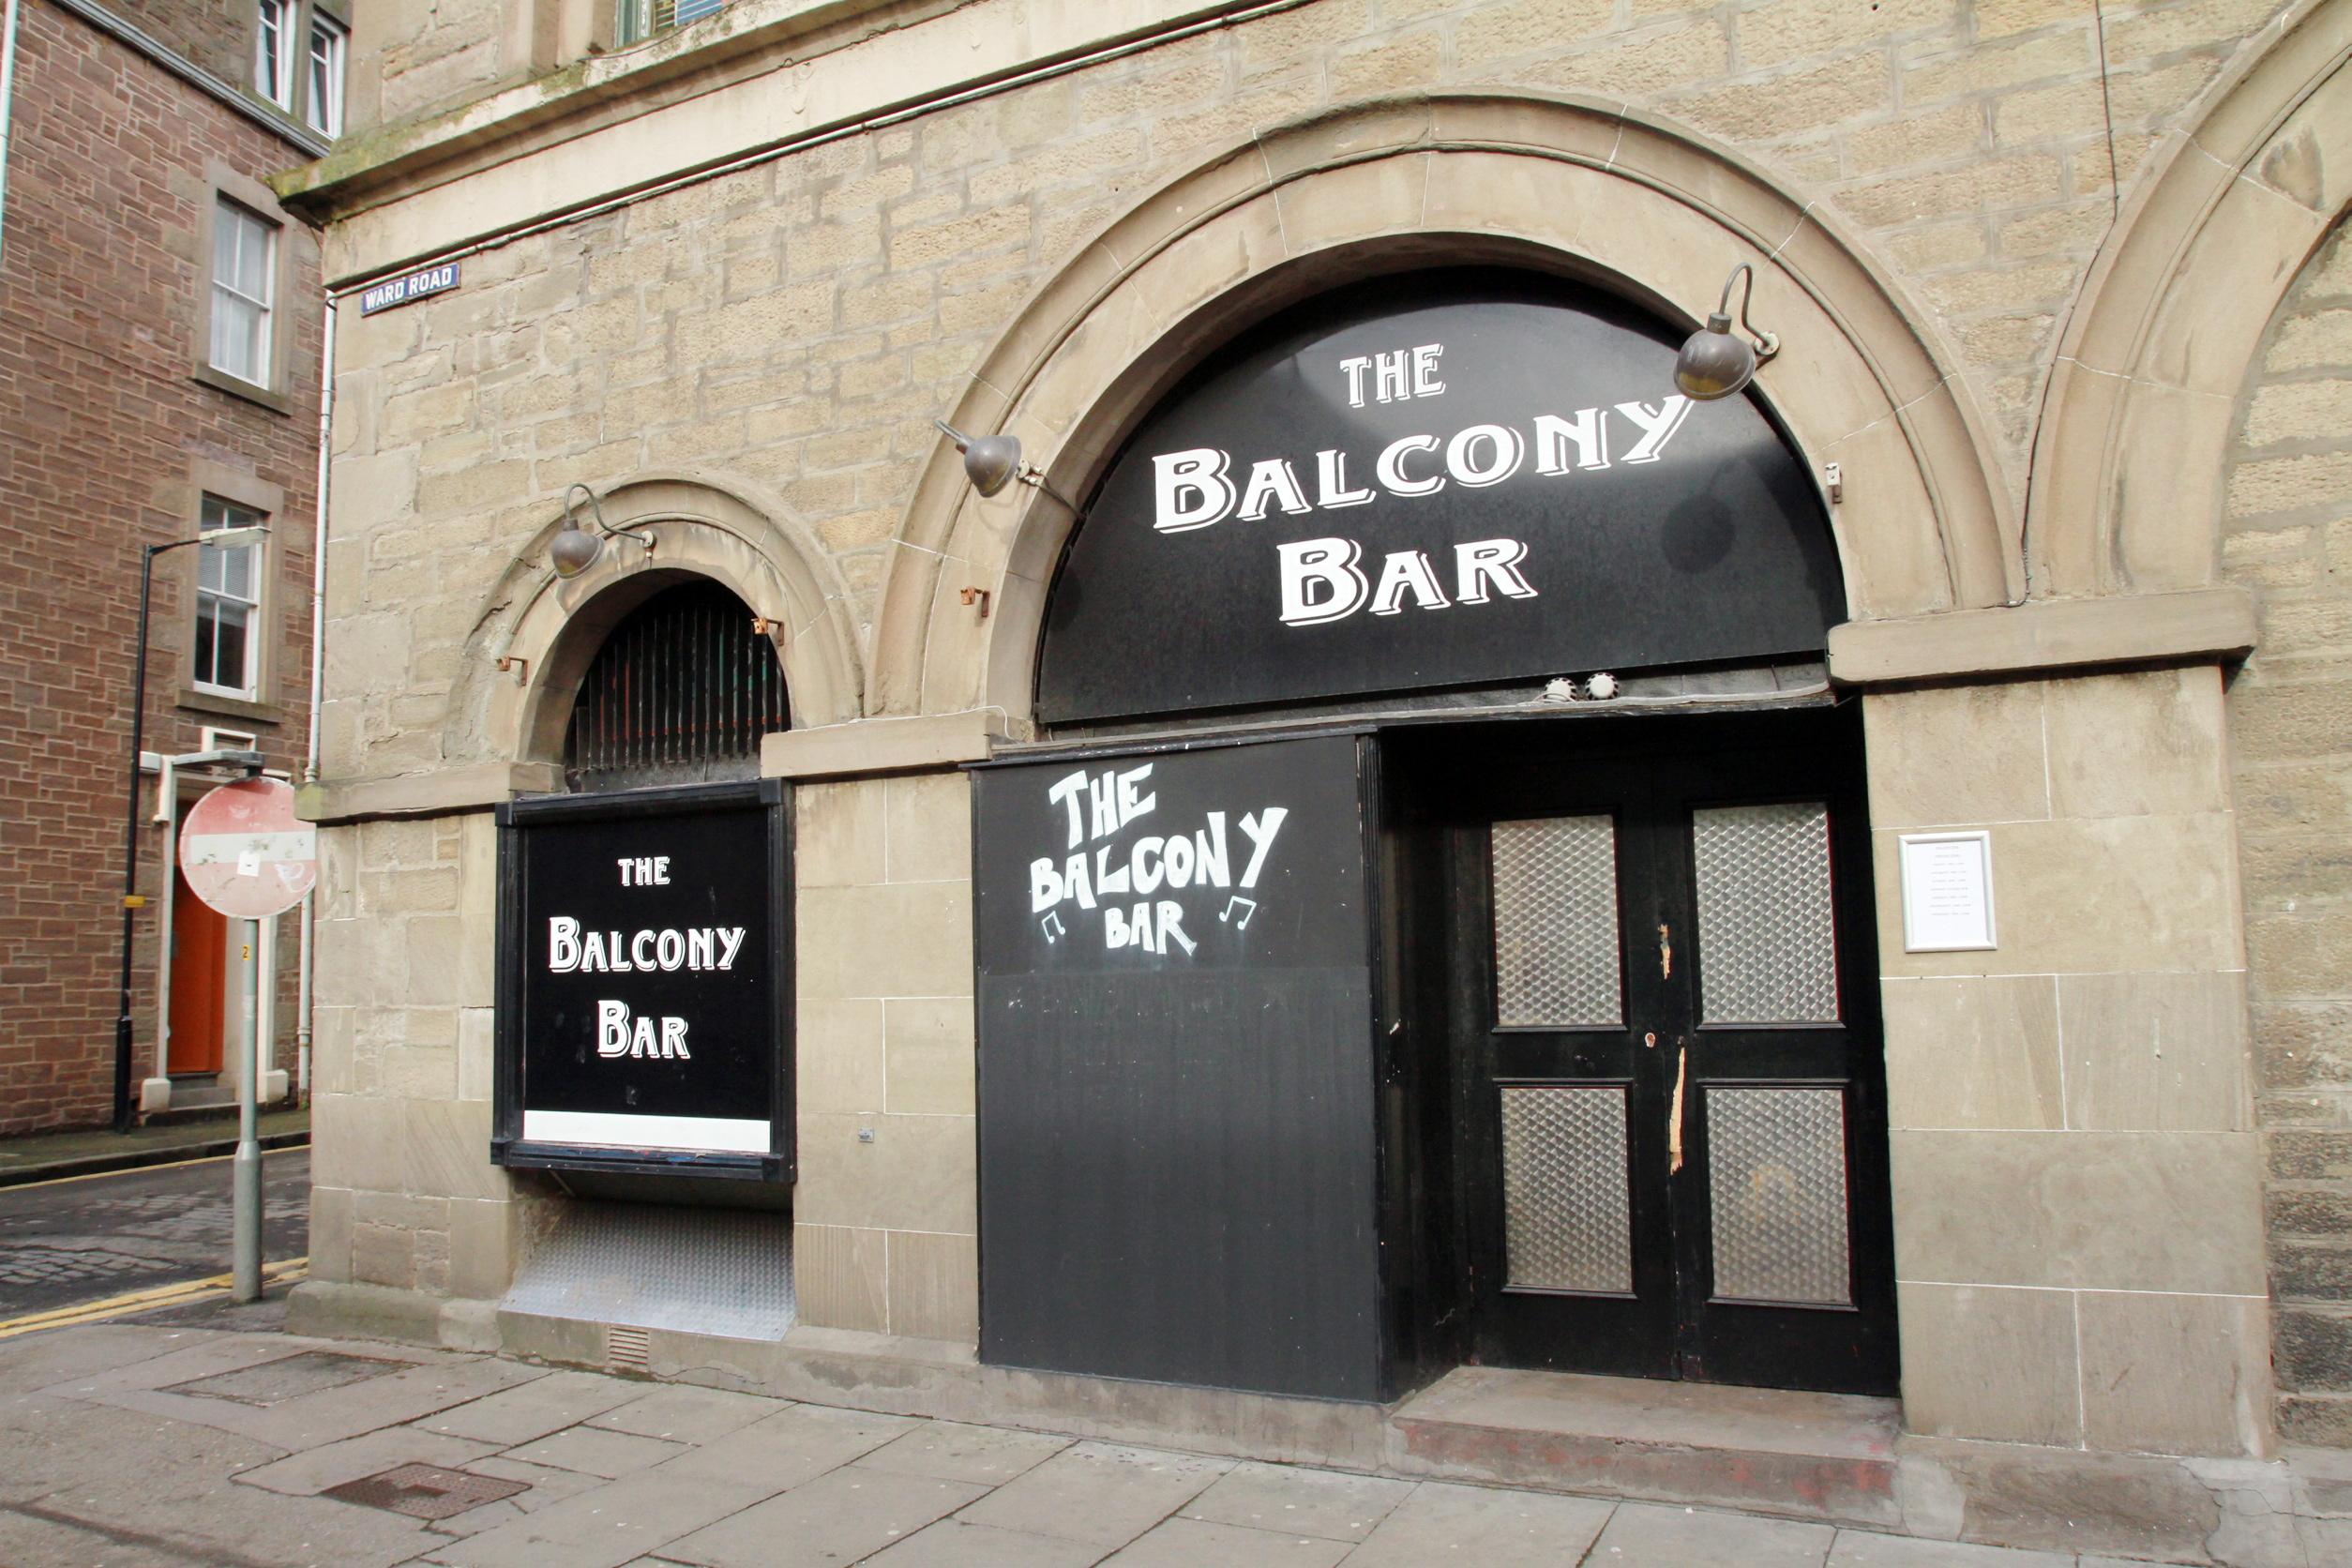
{"x": 203, "y": 1145}
{"x": 2148, "y": 1507}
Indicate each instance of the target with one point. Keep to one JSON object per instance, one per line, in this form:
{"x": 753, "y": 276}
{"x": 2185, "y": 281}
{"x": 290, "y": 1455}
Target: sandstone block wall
{"x": 885, "y": 1233}
{"x": 2288, "y": 538}
{"x": 404, "y": 1193}
{"x": 787, "y": 332}
{"x": 793, "y": 327}
{"x": 2078, "y": 1230}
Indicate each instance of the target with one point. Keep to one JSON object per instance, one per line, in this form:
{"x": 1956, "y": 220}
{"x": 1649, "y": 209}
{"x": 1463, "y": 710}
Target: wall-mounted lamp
{"x": 574, "y": 549}
{"x": 1714, "y": 362}
{"x": 993, "y": 461}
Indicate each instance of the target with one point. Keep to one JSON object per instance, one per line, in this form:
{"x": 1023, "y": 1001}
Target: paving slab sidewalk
{"x": 175, "y": 1441}
{"x": 46, "y": 1157}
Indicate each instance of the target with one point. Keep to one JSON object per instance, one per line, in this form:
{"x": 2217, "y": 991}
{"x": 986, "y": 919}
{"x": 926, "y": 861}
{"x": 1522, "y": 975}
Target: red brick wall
{"x": 102, "y": 312}
{"x": 217, "y": 34}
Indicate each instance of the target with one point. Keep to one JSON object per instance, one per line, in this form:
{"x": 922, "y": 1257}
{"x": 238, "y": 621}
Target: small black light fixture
{"x": 993, "y": 461}
{"x": 574, "y": 549}
{"x": 1715, "y": 362}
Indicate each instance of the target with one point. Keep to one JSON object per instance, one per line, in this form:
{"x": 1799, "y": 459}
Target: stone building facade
{"x": 2056, "y": 295}
{"x": 128, "y": 132}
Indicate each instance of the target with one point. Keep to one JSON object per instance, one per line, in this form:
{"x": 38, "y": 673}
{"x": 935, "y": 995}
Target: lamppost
{"x": 222, "y": 538}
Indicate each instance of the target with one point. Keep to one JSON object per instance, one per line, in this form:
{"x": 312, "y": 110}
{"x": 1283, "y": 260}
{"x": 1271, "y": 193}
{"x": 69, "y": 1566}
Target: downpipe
{"x": 303, "y": 1005}
{"x": 7, "y": 102}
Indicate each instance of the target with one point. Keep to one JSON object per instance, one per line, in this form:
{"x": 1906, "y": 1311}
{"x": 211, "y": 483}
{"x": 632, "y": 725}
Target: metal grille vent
{"x": 1768, "y": 953}
{"x": 1556, "y": 922}
{"x": 1776, "y": 1164}
{"x": 1567, "y": 1221}
{"x": 682, "y": 687}
{"x": 626, "y": 1347}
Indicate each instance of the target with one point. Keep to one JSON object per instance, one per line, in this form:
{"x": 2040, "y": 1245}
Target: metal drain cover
{"x": 289, "y": 1378}
{"x": 425, "y": 1491}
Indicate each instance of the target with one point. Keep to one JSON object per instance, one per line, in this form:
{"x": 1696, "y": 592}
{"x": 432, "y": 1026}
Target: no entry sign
{"x": 245, "y": 854}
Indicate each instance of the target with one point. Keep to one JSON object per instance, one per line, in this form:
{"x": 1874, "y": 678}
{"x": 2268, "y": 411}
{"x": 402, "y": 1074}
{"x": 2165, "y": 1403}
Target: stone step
{"x": 1827, "y": 1457}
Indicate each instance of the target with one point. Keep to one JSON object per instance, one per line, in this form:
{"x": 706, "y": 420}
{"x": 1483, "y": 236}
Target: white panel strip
{"x": 608, "y": 1130}
{"x": 221, "y": 849}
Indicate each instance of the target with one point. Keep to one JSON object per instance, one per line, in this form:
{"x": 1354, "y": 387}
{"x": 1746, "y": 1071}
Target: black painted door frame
{"x": 1648, "y": 775}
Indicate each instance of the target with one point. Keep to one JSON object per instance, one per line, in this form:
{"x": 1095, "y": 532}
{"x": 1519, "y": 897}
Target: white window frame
{"x": 213, "y": 594}
{"x": 327, "y": 46}
{"x": 273, "y": 51}
{"x": 232, "y": 222}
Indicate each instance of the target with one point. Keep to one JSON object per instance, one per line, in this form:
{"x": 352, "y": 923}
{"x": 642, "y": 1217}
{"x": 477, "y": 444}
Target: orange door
{"x": 200, "y": 980}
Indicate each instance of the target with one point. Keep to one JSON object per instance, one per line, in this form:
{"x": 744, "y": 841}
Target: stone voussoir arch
{"x": 2129, "y": 460}
{"x": 548, "y": 628}
{"x": 1578, "y": 187}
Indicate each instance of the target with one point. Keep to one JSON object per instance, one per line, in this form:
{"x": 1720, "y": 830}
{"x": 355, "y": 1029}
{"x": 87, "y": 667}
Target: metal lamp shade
{"x": 991, "y": 460}
{"x": 573, "y": 550}
{"x": 1713, "y": 362}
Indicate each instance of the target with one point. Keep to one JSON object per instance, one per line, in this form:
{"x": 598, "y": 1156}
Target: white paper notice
{"x": 1947, "y": 891}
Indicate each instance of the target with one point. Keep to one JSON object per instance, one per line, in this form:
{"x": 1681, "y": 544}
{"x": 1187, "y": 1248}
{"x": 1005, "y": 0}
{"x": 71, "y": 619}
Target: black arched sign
{"x": 1458, "y": 479}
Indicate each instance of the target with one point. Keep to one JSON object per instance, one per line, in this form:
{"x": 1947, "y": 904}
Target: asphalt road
{"x": 93, "y": 1237}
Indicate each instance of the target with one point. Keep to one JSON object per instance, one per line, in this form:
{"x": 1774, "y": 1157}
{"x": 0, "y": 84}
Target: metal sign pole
{"x": 245, "y": 853}
{"x": 246, "y": 1200}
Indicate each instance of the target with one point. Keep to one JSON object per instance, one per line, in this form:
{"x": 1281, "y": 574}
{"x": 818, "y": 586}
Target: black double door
{"x": 1655, "y": 984}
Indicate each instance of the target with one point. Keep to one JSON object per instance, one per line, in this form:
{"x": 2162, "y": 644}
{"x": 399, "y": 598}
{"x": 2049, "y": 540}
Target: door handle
{"x": 1666, "y": 953}
{"x": 1674, "y": 1118}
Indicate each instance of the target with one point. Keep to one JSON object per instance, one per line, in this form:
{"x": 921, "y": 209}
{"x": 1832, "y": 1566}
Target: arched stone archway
{"x": 1563, "y": 185}
{"x": 2131, "y": 458}
{"x": 547, "y": 629}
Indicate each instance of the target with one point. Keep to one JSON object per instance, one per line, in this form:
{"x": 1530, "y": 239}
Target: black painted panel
{"x": 1176, "y": 1154}
{"x": 644, "y": 942}
{"x": 1667, "y": 531}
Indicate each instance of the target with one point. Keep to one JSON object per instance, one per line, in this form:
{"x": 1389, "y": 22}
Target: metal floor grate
{"x": 723, "y": 1272}
{"x": 425, "y": 1491}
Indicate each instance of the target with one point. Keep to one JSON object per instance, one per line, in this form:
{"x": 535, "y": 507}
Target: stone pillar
{"x": 2077, "y": 1202}
{"x": 406, "y": 1199}
{"x": 885, "y": 1233}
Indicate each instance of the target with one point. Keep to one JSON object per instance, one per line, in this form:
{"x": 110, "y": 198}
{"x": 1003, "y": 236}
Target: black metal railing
{"x": 682, "y": 683}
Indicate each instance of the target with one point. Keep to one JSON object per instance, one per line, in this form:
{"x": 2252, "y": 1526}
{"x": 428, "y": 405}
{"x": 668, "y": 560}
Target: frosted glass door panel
{"x": 1567, "y": 1216}
{"x": 1777, "y": 1170}
{"x": 1767, "y": 950}
{"x": 1555, "y": 961}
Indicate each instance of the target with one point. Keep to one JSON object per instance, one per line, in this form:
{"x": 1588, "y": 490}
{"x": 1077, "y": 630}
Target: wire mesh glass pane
{"x": 1567, "y": 1220}
{"x": 1776, "y": 1165}
{"x": 1556, "y": 922}
{"x": 1767, "y": 950}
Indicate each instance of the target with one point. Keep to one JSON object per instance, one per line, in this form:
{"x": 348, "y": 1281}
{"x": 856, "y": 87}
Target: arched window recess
{"x": 679, "y": 692}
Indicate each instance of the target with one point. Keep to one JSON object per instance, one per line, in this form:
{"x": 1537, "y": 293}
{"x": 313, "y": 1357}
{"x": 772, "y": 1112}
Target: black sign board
{"x": 645, "y": 983}
{"x": 1457, "y": 479}
{"x": 1177, "y": 1161}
